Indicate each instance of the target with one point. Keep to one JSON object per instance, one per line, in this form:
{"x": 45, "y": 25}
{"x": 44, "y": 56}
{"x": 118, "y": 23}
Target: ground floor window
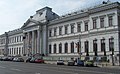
{"x": 50, "y": 48}
{"x": 54, "y": 48}
{"x": 72, "y": 47}
{"x": 66, "y": 47}
{"x": 60, "y": 48}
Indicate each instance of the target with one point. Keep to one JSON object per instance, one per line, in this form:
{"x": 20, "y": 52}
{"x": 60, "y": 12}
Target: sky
{"x": 14, "y": 13}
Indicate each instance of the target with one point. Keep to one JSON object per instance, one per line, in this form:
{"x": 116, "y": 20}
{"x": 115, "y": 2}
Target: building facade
{"x": 87, "y": 34}
{"x": 92, "y": 32}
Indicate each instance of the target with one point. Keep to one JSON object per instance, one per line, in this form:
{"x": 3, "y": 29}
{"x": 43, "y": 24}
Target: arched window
{"x": 72, "y": 47}
{"x": 103, "y": 46}
{"x": 95, "y": 46}
{"x": 111, "y": 45}
{"x": 60, "y": 48}
{"x": 54, "y": 48}
{"x": 50, "y": 48}
{"x": 87, "y": 48}
{"x": 66, "y": 47}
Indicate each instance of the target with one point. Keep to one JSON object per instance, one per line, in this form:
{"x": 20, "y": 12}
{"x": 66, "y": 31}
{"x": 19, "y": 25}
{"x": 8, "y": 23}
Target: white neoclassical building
{"x": 87, "y": 33}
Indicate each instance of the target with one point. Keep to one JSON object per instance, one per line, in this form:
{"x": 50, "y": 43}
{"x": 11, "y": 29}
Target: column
{"x": 38, "y": 41}
{"x": 28, "y": 43}
{"x": 23, "y": 44}
{"x": 33, "y": 42}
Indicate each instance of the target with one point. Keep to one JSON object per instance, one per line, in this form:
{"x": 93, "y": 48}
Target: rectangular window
{"x": 79, "y": 27}
{"x": 72, "y": 27}
{"x": 86, "y": 26}
{"x": 55, "y": 31}
{"x": 66, "y": 29}
{"x": 94, "y": 23}
{"x": 101, "y": 22}
{"x": 60, "y": 30}
{"x": 110, "y": 20}
{"x": 50, "y": 33}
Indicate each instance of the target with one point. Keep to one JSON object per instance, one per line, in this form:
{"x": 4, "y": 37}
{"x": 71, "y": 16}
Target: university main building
{"x": 87, "y": 33}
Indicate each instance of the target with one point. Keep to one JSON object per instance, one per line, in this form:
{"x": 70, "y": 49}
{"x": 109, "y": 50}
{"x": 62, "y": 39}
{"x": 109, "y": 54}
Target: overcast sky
{"x": 13, "y": 13}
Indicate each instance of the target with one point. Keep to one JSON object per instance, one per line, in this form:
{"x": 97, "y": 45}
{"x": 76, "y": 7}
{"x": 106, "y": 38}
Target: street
{"x": 33, "y": 68}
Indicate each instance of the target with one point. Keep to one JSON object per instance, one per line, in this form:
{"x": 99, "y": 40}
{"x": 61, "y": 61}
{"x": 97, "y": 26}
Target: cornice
{"x": 72, "y": 17}
{"x": 78, "y": 14}
{"x": 75, "y": 36}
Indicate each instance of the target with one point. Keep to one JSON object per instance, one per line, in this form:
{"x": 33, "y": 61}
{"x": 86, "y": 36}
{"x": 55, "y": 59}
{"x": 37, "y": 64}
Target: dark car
{"x": 28, "y": 59}
{"x": 5, "y": 59}
{"x": 71, "y": 63}
{"x": 80, "y": 63}
{"x": 60, "y": 62}
{"x": 1, "y": 59}
{"x": 39, "y": 61}
{"x": 32, "y": 60}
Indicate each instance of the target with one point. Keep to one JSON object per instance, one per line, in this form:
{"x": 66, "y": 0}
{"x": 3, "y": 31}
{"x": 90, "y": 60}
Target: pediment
{"x": 31, "y": 22}
{"x": 28, "y": 24}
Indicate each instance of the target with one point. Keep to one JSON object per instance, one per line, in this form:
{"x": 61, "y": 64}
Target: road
{"x": 33, "y": 68}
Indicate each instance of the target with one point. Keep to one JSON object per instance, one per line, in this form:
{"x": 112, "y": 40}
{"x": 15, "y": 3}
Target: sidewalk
{"x": 107, "y": 65}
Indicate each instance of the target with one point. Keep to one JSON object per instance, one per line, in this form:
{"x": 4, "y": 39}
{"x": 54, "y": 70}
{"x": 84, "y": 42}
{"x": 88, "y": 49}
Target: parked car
{"x": 28, "y": 59}
{"x": 39, "y": 61}
{"x": 1, "y": 59}
{"x": 5, "y": 59}
{"x": 89, "y": 63}
{"x": 18, "y": 59}
{"x": 32, "y": 60}
{"x": 71, "y": 63}
{"x": 80, "y": 63}
{"x": 60, "y": 62}
{"x": 10, "y": 58}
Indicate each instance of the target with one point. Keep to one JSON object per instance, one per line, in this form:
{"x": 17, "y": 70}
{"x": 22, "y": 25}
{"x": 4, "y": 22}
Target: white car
{"x": 60, "y": 62}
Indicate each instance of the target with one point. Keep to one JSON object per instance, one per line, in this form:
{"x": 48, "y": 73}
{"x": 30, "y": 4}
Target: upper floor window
{"x": 60, "y": 30}
{"x": 86, "y": 26}
{"x": 66, "y": 29}
{"x": 79, "y": 26}
{"x": 101, "y": 22}
{"x": 111, "y": 44}
{"x": 94, "y": 23}
{"x": 72, "y": 27}
{"x": 17, "y": 38}
{"x": 55, "y": 31}
{"x": 50, "y": 32}
{"x": 110, "y": 20}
